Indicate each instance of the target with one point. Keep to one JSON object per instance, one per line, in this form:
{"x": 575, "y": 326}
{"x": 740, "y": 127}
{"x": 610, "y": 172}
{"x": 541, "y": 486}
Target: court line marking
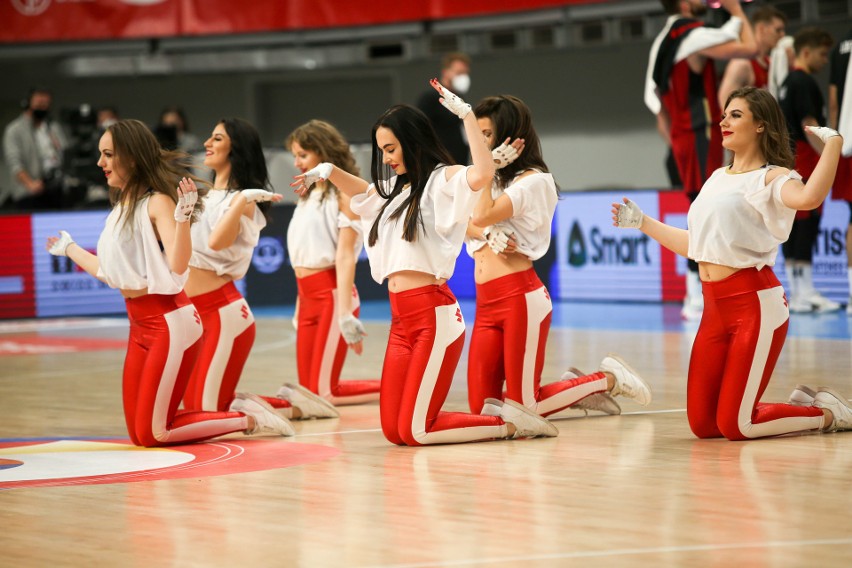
{"x": 626, "y": 552}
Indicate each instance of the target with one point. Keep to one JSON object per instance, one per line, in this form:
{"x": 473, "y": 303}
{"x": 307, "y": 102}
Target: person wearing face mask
{"x": 455, "y": 75}
{"x": 33, "y": 147}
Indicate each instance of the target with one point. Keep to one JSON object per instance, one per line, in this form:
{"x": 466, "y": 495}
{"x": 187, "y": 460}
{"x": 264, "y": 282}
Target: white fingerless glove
{"x": 823, "y": 133}
{"x": 319, "y": 173}
{"x": 454, "y": 103}
{"x": 59, "y": 247}
{"x": 185, "y": 206}
{"x": 351, "y": 329}
{"x": 503, "y": 155}
{"x": 255, "y": 195}
{"x": 496, "y": 237}
{"x": 629, "y": 215}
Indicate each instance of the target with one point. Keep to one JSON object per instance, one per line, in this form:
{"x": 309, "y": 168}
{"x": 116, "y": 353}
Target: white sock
{"x": 806, "y": 280}
{"x": 792, "y": 277}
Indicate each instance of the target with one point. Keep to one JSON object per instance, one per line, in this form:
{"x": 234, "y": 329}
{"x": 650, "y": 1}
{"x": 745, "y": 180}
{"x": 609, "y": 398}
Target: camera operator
{"x": 33, "y": 146}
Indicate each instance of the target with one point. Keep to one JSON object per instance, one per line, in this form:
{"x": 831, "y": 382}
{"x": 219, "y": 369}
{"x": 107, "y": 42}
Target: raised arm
{"x": 810, "y": 195}
{"x": 488, "y": 210}
{"x": 172, "y": 224}
{"x": 744, "y": 45}
{"x": 347, "y": 183}
{"x": 227, "y": 229}
{"x": 738, "y": 74}
{"x": 628, "y": 215}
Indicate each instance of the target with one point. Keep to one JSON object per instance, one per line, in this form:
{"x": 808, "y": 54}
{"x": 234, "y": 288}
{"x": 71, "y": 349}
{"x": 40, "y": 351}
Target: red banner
{"x": 25, "y": 21}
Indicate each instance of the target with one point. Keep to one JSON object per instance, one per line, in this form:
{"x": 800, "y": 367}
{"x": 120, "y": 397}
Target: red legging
{"x": 425, "y": 343}
{"x": 738, "y": 343}
{"x": 320, "y": 349}
{"x": 513, "y": 316}
{"x": 163, "y": 346}
{"x": 229, "y": 332}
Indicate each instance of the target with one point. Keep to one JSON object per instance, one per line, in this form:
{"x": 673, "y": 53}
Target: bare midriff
{"x": 302, "y": 272}
{"x": 709, "y": 272}
{"x": 134, "y": 293}
{"x": 411, "y": 279}
{"x": 489, "y": 266}
{"x": 201, "y": 281}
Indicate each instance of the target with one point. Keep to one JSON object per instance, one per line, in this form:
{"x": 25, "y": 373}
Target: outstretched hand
{"x": 58, "y": 246}
{"x": 304, "y": 181}
{"x": 261, "y": 195}
{"x": 627, "y": 215}
{"x": 450, "y": 100}
{"x": 823, "y": 133}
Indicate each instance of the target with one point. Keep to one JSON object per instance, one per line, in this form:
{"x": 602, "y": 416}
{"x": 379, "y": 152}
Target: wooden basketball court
{"x": 630, "y": 490}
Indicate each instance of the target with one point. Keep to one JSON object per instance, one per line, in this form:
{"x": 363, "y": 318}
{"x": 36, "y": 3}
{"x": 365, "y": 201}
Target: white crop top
{"x": 739, "y": 221}
{"x": 234, "y": 260}
{"x": 533, "y": 204}
{"x": 313, "y": 231}
{"x": 129, "y": 255}
{"x": 445, "y": 209}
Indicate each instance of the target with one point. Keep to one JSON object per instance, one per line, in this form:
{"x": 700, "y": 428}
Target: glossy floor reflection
{"x": 631, "y": 490}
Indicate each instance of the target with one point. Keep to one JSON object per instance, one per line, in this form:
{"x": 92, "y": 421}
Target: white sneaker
{"x": 527, "y": 423}
{"x": 491, "y": 408}
{"x": 799, "y": 305}
{"x": 628, "y": 383}
{"x": 266, "y": 420}
{"x": 821, "y": 303}
{"x": 829, "y": 399}
{"x": 691, "y": 312}
{"x": 802, "y": 396}
{"x": 600, "y": 401}
{"x": 311, "y": 405}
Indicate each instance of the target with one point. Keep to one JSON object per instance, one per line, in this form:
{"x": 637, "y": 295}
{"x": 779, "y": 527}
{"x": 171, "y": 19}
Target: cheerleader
{"x": 510, "y": 229}
{"x": 323, "y": 240}
{"x": 734, "y": 227}
{"x": 234, "y": 212}
{"x": 415, "y": 220}
{"x": 144, "y": 251}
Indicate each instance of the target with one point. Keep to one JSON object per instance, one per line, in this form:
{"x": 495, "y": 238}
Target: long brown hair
{"x": 148, "y": 167}
{"x": 328, "y": 143}
{"x": 422, "y": 153}
{"x": 774, "y": 141}
{"x": 511, "y": 118}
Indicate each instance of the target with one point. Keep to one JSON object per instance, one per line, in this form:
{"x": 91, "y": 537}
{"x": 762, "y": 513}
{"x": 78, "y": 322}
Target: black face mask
{"x": 40, "y": 113}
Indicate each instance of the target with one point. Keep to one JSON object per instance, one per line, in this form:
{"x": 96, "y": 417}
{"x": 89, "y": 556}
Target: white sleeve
{"x": 367, "y": 205}
{"x": 343, "y": 222}
{"x": 704, "y": 37}
{"x": 454, "y": 200}
{"x": 533, "y": 199}
{"x": 766, "y": 200}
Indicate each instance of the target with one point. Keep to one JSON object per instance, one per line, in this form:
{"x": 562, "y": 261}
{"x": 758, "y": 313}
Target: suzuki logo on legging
{"x": 244, "y": 311}
{"x": 197, "y": 317}
{"x": 458, "y": 314}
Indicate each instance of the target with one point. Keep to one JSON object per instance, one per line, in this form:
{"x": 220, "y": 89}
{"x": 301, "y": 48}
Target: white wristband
{"x": 60, "y": 247}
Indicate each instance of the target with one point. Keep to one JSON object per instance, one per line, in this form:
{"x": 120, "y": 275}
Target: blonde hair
{"x": 328, "y": 143}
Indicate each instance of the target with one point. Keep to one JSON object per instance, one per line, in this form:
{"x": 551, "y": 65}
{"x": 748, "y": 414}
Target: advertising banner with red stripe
{"x": 64, "y": 20}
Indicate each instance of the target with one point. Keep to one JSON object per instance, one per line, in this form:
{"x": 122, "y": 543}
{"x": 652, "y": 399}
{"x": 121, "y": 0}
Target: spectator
{"x": 455, "y": 75}
{"x": 33, "y": 147}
